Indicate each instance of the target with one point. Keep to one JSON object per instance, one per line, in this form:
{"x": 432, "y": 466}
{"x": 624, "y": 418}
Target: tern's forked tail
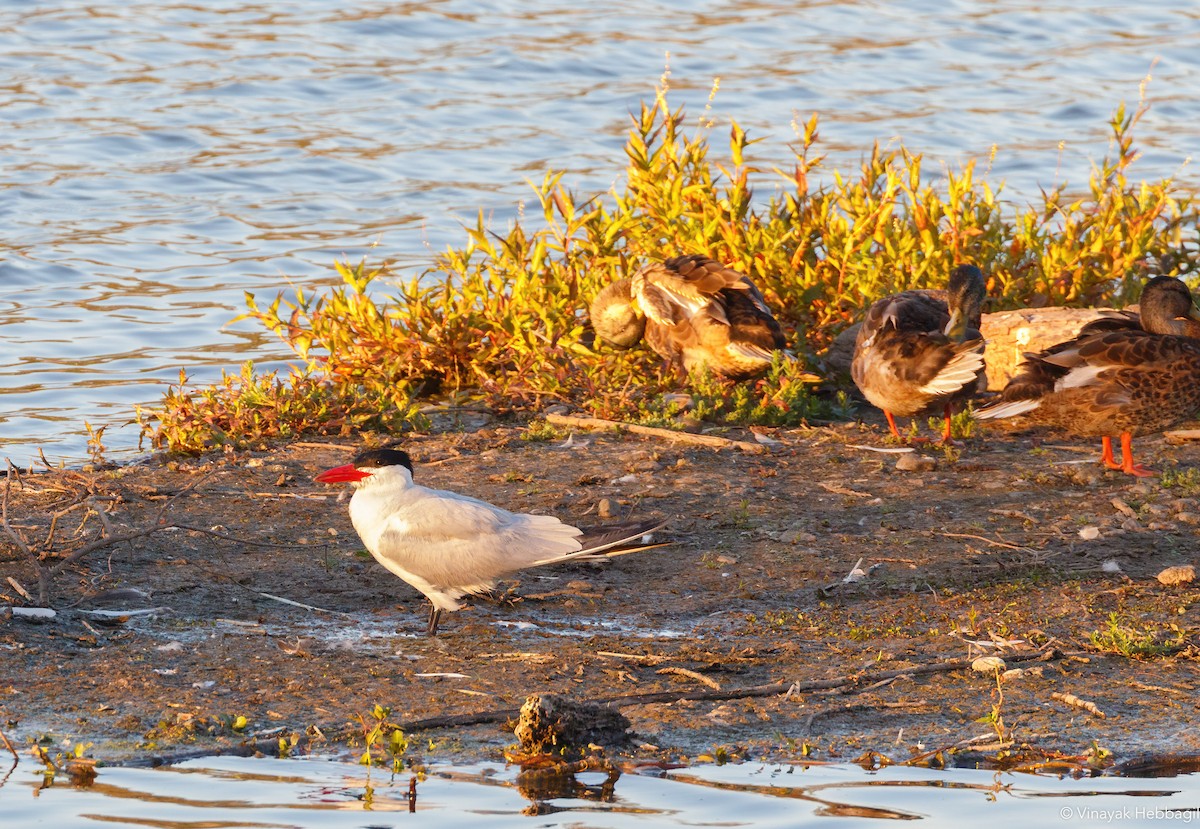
{"x": 612, "y": 540}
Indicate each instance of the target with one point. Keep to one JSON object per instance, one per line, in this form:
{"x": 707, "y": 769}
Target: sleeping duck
{"x": 693, "y": 311}
{"x": 1127, "y": 375}
{"x": 920, "y": 352}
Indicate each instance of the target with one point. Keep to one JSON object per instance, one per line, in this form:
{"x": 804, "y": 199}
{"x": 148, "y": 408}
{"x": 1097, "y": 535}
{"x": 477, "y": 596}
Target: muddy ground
{"x": 992, "y": 552}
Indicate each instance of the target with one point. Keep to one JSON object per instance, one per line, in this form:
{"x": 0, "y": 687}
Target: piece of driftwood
{"x": 573, "y": 422}
{"x": 1009, "y": 335}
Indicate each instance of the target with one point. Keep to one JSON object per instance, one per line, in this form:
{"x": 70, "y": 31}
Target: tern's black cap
{"x": 385, "y": 456}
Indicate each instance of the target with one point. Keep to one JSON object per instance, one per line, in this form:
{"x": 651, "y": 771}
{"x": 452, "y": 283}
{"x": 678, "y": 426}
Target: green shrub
{"x": 503, "y": 318}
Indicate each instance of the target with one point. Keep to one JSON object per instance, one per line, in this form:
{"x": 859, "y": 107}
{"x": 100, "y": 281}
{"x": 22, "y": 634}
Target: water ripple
{"x": 161, "y": 158}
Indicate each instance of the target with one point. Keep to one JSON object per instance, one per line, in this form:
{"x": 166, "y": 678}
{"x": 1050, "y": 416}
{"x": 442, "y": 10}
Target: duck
{"x": 1127, "y": 375}
{"x": 695, "y": 313}
{"x": 919, "y": 352}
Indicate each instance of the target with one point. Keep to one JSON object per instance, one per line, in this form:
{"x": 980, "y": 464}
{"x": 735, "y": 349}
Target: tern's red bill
{"x": 342, "y": 474}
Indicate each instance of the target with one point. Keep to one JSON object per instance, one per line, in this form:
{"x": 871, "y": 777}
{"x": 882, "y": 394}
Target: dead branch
{"x": 653, "y": 431}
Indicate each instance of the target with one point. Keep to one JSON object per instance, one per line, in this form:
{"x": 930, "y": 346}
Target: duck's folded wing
{"x": 1131, "y": 349}
{"x": 683, "y": 286}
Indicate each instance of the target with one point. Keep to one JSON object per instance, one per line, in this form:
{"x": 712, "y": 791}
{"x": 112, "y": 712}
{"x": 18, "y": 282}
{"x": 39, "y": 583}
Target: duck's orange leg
{"x": 1128, "y": 466}
{"x": 892, "y": 423}
{"x": 1106, "y": 454}
{"x": 946, "y": 431}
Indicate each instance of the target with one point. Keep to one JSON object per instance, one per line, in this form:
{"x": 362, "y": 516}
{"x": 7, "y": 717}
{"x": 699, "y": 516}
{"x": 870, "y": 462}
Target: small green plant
{"x": 1099, "y": 757}
{"x": 663, "y": 411}
{"x": 781, "y": 398}
{"x": 995, "y": 717}
{"x": 1184, "y": 479}
{"x": 287, "y": 745}
{"x": 95, "y": 443}
{"x": 962, "y": 424}
{"x": 1120, "y": 637}
{"x": 739, "y": 516}
{"x": 384, "y": 742}
{"x": 234, "y": 722}
{"x": 540, "y": 430}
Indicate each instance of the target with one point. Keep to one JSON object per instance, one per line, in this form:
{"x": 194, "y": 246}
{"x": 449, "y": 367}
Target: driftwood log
{"x": 1009, "y": 335}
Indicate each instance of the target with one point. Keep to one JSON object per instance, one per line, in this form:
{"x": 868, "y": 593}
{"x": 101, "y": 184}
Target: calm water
{"x": 314, "y": 794}
{"x": 158, "y": 159}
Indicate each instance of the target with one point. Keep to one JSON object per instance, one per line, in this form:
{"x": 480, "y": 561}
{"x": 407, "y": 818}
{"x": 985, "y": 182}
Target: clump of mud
{"x": 553, "y": 724}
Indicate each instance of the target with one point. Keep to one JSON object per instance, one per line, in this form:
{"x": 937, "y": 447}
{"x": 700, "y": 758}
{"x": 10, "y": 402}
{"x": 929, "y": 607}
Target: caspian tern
{"x": 448, "y": 545}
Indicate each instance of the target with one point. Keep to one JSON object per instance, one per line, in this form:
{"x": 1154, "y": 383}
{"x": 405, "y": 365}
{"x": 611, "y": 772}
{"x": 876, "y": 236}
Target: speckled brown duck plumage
{"x": 920, "y": 352}
{"x": 1128, "y": 375}
{"x": 694, "y": 312}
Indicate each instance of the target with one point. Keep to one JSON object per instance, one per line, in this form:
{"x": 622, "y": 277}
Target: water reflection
{"x": 311, "y": 792}
{"x": 162, "y": 158}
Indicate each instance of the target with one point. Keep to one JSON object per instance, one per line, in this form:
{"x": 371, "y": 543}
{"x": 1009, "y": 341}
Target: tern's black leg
{"x": 435, "y": 616}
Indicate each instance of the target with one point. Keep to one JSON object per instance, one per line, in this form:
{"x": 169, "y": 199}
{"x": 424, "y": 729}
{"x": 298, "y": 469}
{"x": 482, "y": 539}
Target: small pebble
{"x": 988, "y": 665}
{"x": 913, "y": 462}
{"x": 1089, "y": 533}
{"x": 605, "y": 508}
{"x": 1180, "y": 574}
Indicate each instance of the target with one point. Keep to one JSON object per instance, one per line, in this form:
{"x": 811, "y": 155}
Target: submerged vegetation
{"x": 502, "y": 319}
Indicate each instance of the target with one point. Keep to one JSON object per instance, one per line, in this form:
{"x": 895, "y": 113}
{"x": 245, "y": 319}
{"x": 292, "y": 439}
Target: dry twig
{"x": 711, "y": 683}
{"x": 1076, "y": 702}
{"x": 653, "y": 431}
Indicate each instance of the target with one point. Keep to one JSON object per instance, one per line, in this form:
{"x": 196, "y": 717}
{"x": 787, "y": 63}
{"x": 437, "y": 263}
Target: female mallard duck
{"x": 693, "y": 311}
{"x": 1120, "y": 375}
{"x": 920, "y": 352}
